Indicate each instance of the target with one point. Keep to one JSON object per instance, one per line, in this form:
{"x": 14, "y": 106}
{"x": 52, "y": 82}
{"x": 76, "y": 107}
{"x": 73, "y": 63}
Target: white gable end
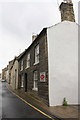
{"x": 63, "y": 63}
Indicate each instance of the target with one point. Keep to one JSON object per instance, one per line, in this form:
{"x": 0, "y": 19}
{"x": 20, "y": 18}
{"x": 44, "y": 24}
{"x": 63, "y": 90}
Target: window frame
{"x": 35, "y": 78}
{"x": 28, "y": 61}
{"x": 36, "y": 54}
{"x": 21, "y": 67}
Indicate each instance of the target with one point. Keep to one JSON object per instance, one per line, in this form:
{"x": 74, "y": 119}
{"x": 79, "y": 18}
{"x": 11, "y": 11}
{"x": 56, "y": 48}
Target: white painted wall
{"x": 63, "y": 63}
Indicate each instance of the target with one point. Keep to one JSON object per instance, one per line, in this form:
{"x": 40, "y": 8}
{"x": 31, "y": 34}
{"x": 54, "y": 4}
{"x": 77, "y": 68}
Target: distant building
{"x": 4, "y": 73}
{"x": 14, "y": 74}
{"x": 0, "y": 75}
{"x": 7, "y": 74}
{"x": 9, "y": 70}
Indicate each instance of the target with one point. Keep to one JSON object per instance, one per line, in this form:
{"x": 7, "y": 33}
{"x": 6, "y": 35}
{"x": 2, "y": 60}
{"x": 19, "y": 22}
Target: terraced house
{"x": 33, "y": 65}
{"x": 49, "y": 66}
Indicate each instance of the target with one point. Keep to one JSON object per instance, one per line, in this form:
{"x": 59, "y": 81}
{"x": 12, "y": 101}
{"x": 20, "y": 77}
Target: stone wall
{"x": 67, "y": 12}
{"x": 42, "y": 66}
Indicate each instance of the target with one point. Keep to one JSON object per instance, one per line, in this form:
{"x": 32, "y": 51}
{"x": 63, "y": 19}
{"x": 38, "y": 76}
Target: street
{"x": 13, "y": 107}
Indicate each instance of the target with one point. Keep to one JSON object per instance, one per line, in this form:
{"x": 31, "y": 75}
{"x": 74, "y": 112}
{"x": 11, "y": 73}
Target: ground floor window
{"x": 35, "y": 86}
{"x": 22, "y": 81}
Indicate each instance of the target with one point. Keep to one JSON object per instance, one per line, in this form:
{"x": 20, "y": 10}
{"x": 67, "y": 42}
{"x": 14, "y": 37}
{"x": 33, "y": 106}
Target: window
{"x": 22, "y": 81}
{"x": 21, "y": 65}
{"x": 35, "y": 81}
{"x": 28, "y": 61}
{"x": 37, "y": 54}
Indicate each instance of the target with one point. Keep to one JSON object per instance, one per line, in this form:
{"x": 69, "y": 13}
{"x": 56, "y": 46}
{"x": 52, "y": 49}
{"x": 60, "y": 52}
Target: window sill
{"x": 36, "y": 63}
{"x": 35, "y": 89}
{"x": 27, "y": 67}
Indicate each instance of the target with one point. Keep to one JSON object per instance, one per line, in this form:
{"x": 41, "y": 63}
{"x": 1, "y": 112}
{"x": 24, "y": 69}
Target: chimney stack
{"x": 67, "y": 12}
{"x": 34, "y": 37}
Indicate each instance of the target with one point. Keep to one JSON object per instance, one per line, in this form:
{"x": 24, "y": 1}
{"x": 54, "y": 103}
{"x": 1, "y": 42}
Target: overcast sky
{"x": 19, "y": 19}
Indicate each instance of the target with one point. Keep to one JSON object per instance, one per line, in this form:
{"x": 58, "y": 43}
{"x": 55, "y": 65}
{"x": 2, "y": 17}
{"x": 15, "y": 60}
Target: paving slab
{"x": 65, "y": 111}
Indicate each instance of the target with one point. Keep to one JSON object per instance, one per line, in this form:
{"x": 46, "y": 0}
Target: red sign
{"x": 42, "y": 76}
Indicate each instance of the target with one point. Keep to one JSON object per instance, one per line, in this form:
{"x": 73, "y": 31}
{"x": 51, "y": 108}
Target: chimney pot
{"x": 34, "y": 37}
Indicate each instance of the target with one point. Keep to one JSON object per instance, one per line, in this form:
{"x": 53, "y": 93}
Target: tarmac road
{"x": 13, "y": 107}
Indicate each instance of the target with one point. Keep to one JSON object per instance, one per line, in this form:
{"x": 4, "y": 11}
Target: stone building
{"x": 32, "y": 64}
{"x": 4, "y": 73}
{"x": 49, "y": 67}
{"x": 7, "y": 74}
{"x": 14, "y": 74}
{"x": 0, "y": 76}
{"x": 8, "y": 71}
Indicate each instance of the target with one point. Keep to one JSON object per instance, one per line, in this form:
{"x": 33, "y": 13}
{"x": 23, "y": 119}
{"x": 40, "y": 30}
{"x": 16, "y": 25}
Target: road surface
{"x": 13, "y": 107}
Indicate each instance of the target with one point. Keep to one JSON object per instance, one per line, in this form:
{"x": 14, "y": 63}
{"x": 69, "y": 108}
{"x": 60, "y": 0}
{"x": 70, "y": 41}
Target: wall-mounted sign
{"x": 42, "y": 77}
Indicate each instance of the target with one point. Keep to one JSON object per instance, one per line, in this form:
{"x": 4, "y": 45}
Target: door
{"x": 25, "y": 82}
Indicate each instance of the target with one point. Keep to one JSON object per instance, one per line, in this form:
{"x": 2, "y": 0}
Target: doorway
{"x": 25, "y": 82}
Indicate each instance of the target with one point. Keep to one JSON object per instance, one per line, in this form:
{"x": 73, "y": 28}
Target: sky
{"x": 20, "y": 19}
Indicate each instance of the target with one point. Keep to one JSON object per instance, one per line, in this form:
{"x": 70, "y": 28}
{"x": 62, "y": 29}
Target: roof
{"x": 18, "y": 57}
{"x": 69, "y": 22}
{"x": 23, "y": 53}
{"x": 10, "y": 61}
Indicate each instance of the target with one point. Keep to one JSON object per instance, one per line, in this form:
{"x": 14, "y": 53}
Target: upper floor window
{"x": 28, "y": 61}
{"x": 21, "y": 65}
{"x": 37, "y": 54}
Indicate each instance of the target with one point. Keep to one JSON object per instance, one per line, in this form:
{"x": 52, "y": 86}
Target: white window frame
{"x": 28, "y": 61}
{"x": 21, "y": 65}
{"x": 36, "y": 54}
{"x": 35, "y": 80}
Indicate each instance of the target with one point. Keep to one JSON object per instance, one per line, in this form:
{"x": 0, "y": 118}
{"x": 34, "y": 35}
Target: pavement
{"x": 56, "y": 112}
